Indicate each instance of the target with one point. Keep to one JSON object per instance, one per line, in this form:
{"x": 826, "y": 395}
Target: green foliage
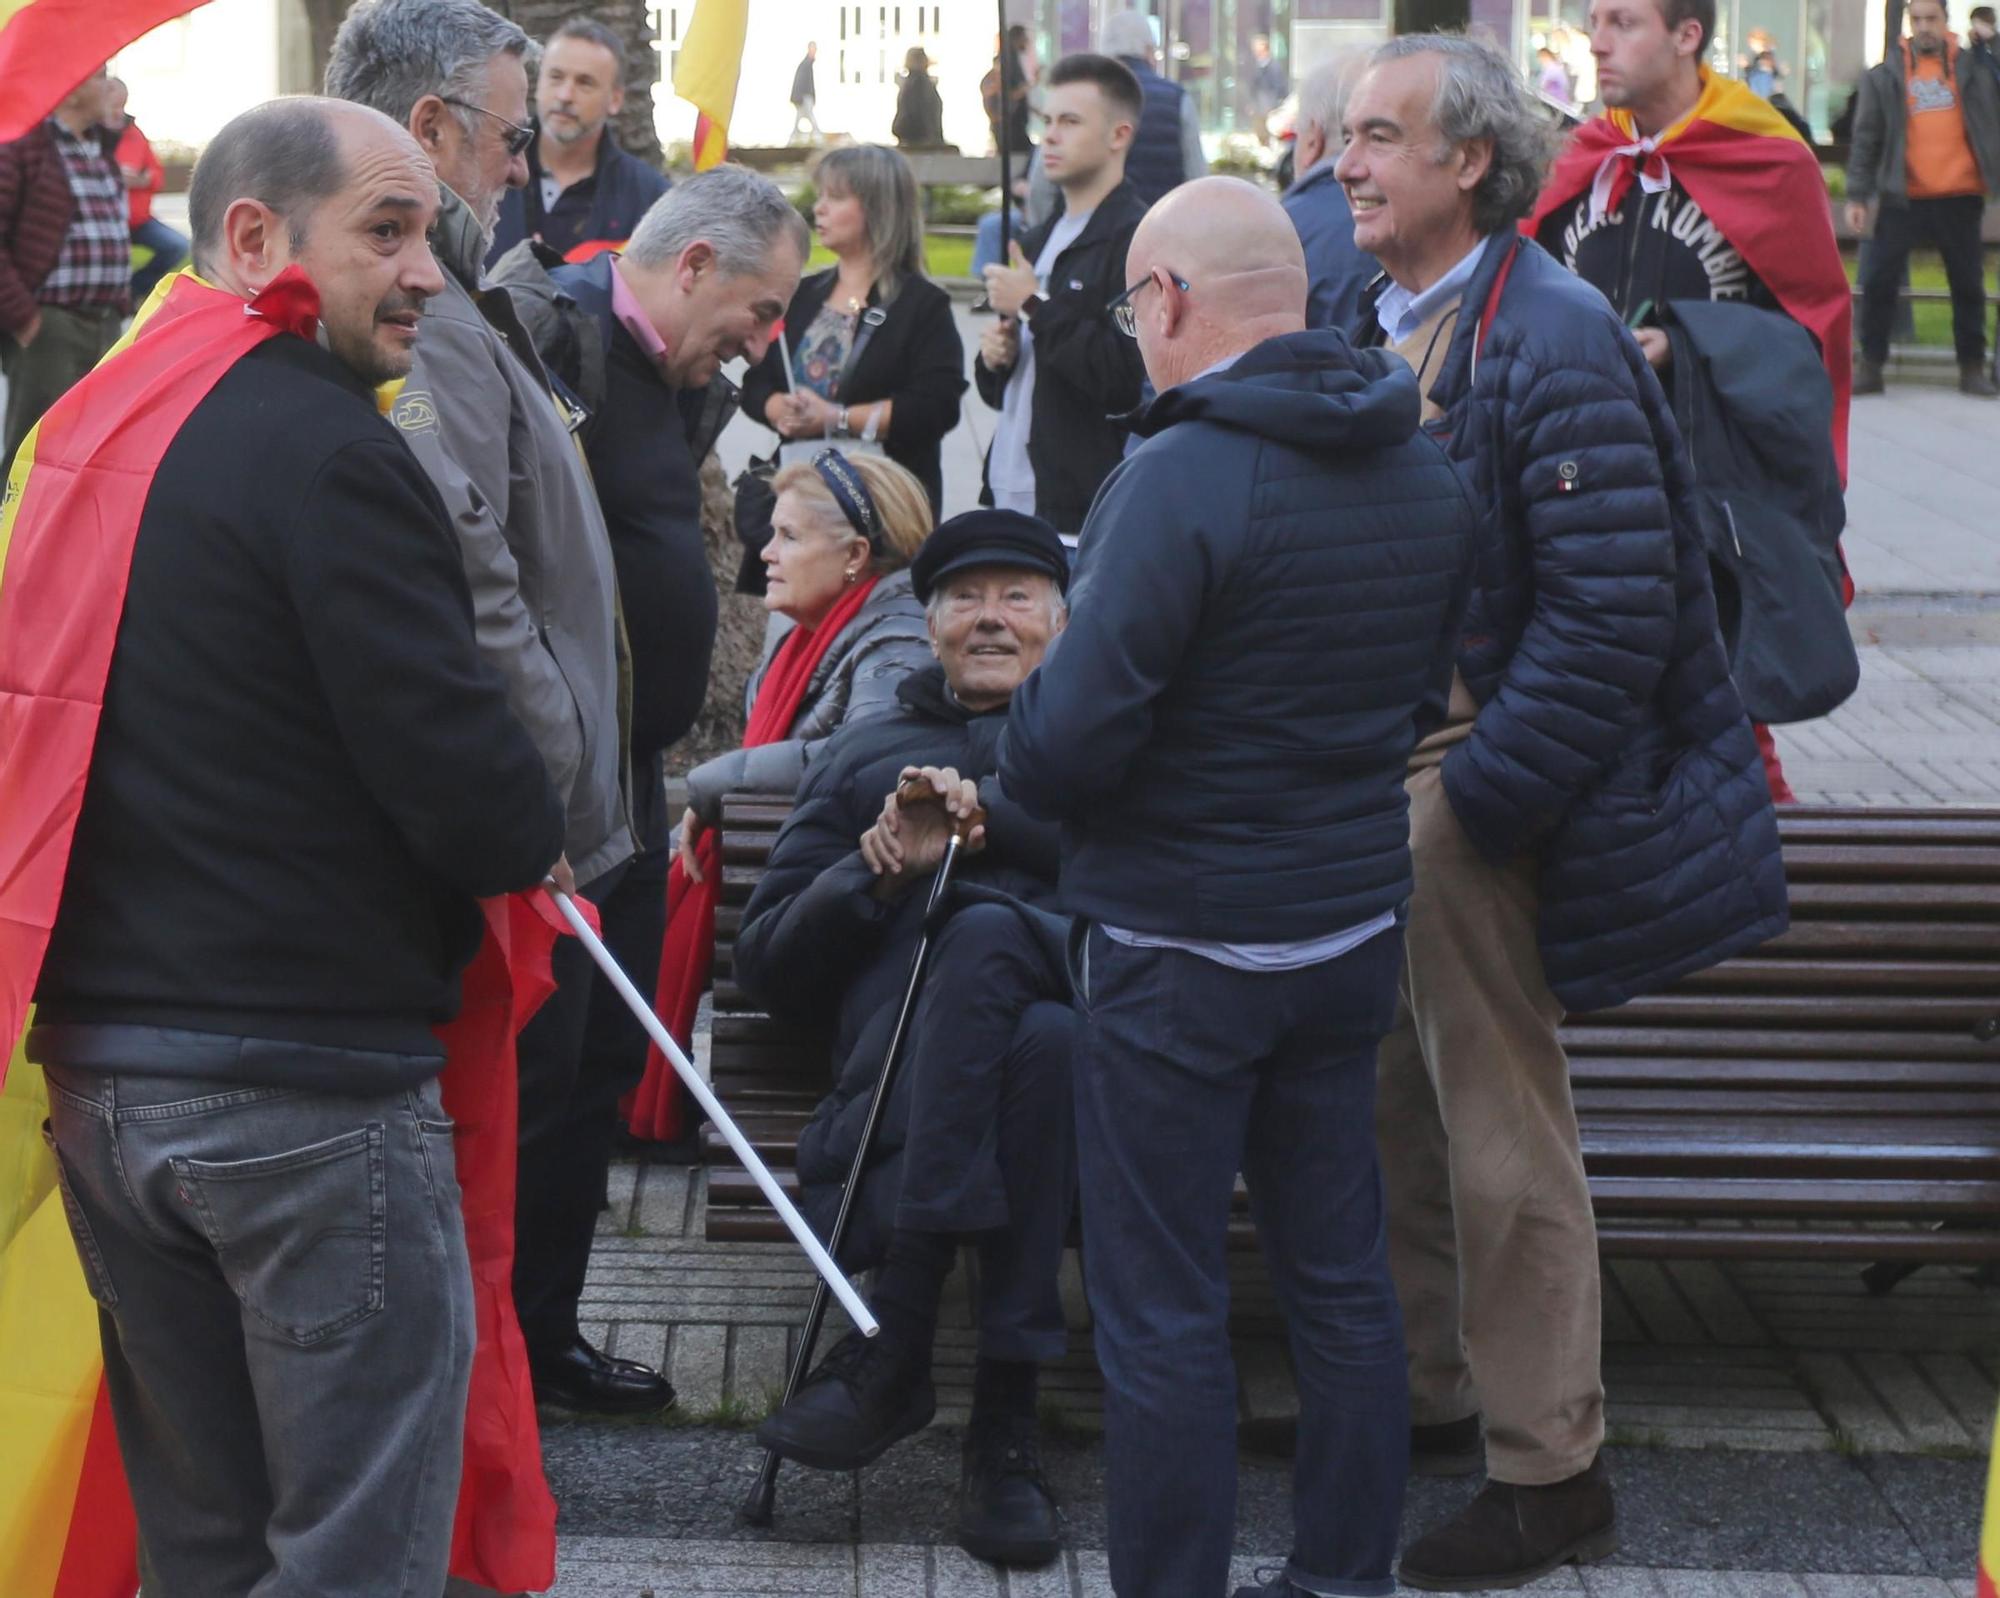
{"x": 959, "y": 204}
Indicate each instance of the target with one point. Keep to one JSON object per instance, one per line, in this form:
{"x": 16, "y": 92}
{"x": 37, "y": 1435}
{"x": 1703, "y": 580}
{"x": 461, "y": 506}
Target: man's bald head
{"x": 290, "y": 155}
{"x": 1234, "y": 247}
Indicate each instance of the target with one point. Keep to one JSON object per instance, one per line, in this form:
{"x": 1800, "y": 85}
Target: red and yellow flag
{"x": 706, "y": 70}
{"x": 68, "y": 525}
{"x": 1760, "y": 183}
{"x": 48, "y": 47}
{"x": 1989, "y": 1537}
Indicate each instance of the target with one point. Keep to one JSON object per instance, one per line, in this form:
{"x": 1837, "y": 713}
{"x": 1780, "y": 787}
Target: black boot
{"x": 1867, "y": 375}
{"x": 1508, "y": 1535}
{"x": 1453, "y": 1448}
{"x": 1006, "y": 1513}
{"x": 1972, "y": 379}
{"x": 867, "y": 1395}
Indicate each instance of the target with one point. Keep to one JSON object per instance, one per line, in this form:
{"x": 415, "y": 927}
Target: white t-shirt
{"x": 1009, "y": 472}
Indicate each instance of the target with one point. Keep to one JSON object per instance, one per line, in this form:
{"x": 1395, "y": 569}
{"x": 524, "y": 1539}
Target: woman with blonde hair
{"x": 875, "y": 354}
{"x": 843, "y": 532}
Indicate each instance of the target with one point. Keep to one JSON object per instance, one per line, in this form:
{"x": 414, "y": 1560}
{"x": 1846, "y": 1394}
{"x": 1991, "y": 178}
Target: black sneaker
{"x": 867, "y": 1395}
{"x": 1006, "y": 1513}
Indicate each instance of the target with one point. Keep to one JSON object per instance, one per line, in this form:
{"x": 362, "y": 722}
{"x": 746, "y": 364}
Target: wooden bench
{"x": 1836, "y": 1093}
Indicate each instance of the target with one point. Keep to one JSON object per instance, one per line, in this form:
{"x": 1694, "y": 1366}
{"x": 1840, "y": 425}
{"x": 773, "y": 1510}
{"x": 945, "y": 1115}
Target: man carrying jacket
{"x": 302, "y": 780}
{"x": 1590, "y": 822}
{"x": 1054, "y": 366}
{"x": 977, "y": 1141}
{"x": 582, "y": 188}
{"x": 1926, "y": 154}
{"x": 478, "y": 413}
{"x": 1261, "y": 627}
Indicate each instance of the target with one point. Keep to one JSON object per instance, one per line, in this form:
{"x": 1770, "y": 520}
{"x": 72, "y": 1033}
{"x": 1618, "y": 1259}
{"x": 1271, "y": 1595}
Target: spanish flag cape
{"x": 1757, "y": 180}
{"x": 68, "y": 524}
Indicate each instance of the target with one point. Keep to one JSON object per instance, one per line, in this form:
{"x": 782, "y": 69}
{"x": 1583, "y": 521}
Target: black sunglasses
{"x": 1126, "y": 315}
{"x": 518, "y": 138}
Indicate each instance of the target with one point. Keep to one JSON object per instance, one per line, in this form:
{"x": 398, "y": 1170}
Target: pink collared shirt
{"x": 625, "y": 306}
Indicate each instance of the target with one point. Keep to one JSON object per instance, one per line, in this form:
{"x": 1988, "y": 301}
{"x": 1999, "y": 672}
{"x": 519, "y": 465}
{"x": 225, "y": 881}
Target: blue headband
{"x": 850, "y": 493}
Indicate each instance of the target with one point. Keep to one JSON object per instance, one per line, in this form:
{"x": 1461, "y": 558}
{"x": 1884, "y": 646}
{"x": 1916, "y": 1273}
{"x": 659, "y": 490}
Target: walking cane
{"x": 830, "y": 1274}
{"x": 756, "y": 1510}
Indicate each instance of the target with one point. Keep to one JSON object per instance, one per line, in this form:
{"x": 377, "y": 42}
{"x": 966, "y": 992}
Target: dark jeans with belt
{"x": 1187, "y": 1072}
{"x": 286, "y": 1312}
{"x": 1951, "y": 225}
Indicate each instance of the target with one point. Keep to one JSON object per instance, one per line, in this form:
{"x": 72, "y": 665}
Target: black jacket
{"x": 1086, "y": 371}
{"x": 1261, "y": 626}
{"x": 914, "y": 358}
{"x": 919, "y": 123}
{"x": 605, "y": 206}
{"x": 1755, "y": 407}
{"x": 820, "y": 949}
{"x": 304, "y": 776}
{"x": 1610, "y": 741}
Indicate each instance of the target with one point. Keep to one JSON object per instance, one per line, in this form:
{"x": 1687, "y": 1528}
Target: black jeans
{"x": 1952, "y": 225}
{"x": 571, "y": 1080}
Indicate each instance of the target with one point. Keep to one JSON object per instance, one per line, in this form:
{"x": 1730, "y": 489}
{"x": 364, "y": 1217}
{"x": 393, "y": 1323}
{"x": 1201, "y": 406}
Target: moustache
{"x": 401, "y": 305}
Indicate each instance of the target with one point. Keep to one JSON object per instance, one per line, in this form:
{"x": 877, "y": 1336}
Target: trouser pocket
{"x": 95, "y": 1276}
{"x": 300, "y": 1236}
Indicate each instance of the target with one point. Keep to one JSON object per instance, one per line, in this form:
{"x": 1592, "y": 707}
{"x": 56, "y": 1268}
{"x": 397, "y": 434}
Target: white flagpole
{"x": 822, "y": 1261}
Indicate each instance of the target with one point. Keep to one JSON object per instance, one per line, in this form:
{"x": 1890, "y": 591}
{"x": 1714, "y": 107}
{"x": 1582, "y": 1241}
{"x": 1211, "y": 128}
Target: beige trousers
{"x": 1491, "y": 1237}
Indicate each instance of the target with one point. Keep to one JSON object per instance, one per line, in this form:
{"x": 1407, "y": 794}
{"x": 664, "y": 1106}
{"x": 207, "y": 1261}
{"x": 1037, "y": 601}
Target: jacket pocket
{"x": 301, "y": 1236}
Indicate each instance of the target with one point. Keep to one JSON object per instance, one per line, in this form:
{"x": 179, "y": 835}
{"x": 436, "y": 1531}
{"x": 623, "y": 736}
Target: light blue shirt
{"x": 1401, "y": 313}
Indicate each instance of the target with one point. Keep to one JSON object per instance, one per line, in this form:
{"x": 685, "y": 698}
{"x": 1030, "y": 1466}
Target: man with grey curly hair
{"x": 479, "y": 415}
{"x": 1590, "y": 823}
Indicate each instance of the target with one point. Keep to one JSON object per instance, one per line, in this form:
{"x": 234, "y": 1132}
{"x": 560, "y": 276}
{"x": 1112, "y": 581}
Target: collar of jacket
{"x": 1122, "y": 206}
{"x": 1455, "y": 375}
{"x": 458, "y": 241}
{"x": 926, "y": 693}
{"x": 1316, "y": 176}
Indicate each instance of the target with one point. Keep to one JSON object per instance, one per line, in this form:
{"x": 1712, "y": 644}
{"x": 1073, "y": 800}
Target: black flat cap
{"x": 990, "y": 538}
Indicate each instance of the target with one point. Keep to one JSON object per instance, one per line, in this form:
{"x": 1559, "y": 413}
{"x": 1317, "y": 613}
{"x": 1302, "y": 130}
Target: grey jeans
{"x": 286, "y": 1309}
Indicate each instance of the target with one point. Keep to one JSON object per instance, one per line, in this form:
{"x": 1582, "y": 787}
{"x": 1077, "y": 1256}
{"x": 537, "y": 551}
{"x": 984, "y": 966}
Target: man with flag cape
{"x": 1691, "y": 187}
{"x": 256, "y": 784}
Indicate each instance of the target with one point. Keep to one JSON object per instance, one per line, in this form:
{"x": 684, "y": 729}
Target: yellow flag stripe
{"x": 711, "y": 57}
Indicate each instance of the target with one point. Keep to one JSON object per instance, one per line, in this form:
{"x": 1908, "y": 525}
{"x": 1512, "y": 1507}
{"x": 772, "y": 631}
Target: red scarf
{"x": 654, "y": 1109}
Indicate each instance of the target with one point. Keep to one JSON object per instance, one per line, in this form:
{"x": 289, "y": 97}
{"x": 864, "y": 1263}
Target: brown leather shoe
{"x": 1508, "y": 1535}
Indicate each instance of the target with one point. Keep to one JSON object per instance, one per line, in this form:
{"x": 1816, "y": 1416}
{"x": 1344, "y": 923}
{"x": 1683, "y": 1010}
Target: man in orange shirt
{"x": 1927, "y": 151}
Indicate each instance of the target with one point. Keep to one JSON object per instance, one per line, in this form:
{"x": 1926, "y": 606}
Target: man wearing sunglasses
{"x": 479, "y": 414}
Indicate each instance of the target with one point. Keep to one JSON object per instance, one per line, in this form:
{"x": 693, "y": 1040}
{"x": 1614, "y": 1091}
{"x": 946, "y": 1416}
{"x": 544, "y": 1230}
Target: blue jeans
{"x": 1188, "y": 1071}
{"x": 169, "y": 250}
{"x": 986, "y": 243}
{"x": 286, "y": 1312}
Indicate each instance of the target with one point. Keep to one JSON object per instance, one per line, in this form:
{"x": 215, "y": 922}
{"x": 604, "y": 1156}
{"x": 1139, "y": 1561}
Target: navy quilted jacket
{"x": 1610, "y": 739}
{"x": 1261, "y": 622}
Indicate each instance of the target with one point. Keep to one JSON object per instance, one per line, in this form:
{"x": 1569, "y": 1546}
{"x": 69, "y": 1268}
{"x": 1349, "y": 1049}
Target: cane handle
{"x": 915, "y": 791}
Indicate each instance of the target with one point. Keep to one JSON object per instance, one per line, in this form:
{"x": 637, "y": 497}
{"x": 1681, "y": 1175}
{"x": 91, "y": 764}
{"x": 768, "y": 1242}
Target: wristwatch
{"x": 840, "y": 426}
{"x": 1032, "y": 304}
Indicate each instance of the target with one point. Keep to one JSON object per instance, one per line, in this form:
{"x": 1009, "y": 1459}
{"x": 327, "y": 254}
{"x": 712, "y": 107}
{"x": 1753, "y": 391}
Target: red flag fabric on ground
{"x": 48, "y": 47}
{"x": 1759, "y": 182}
{"x": 654, "y": 1109}
{"x": 68, "y": 526}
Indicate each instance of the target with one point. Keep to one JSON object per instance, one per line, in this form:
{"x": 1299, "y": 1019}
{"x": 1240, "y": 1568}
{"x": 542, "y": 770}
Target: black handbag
{"x": 755, "y": 498}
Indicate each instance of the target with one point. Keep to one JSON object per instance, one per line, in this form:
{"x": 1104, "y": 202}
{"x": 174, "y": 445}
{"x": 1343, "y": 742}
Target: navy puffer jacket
{"x": 1262, "y": 623}
{"x": 1610, "y": 739}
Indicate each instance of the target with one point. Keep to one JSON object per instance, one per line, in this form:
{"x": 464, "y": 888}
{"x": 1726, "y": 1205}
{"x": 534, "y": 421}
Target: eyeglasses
{"x": 518, "y": 138}
{"x": 1126, "y": 315}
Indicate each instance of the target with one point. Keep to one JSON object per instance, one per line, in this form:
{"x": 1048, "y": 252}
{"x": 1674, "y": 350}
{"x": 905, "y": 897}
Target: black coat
{"x": 915, "y": 358}
{"x": 820, "y": 949}
{"x": 919, "y": 120}
{"x": 1261, "y": 626}
{"x": 1086, "y": 371}
{"x": 1610, "y": 741}
{"x": 304, "y": 776}
{"x": 605, "y": 206}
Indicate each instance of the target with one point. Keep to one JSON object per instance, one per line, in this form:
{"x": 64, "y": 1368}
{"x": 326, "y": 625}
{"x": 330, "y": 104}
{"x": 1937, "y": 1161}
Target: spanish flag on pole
{"x": 705, "y": 73}
{"x": 68, "y": 526}
{"x": 48, "y": 47}
{"x": 1749, "y": 170}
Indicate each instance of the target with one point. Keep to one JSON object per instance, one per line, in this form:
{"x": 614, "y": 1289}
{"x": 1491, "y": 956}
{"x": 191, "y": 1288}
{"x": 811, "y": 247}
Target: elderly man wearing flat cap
{"x": 976, "y": 1142}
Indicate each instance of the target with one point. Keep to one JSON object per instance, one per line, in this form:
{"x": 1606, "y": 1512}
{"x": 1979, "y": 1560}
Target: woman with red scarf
{"x": 843, "y": 531}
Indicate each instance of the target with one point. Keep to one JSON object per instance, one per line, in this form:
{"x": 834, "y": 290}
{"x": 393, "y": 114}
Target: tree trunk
{"x": 631, "y": 20}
